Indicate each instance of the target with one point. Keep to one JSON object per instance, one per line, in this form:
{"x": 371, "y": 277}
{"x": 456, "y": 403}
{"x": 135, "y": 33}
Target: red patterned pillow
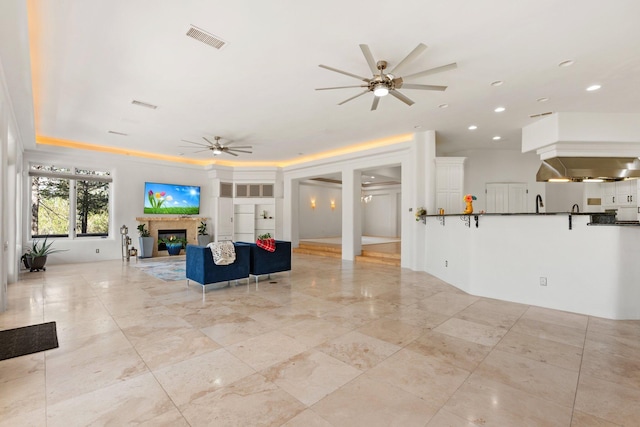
{"x": 267, "y": 244}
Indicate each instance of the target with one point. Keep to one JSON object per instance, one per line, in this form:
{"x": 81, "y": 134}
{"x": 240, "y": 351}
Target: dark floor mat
{"x": 28, "y": 339}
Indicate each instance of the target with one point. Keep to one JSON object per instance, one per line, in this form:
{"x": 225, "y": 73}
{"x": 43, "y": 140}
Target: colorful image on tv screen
{"x": 171, "y": 199}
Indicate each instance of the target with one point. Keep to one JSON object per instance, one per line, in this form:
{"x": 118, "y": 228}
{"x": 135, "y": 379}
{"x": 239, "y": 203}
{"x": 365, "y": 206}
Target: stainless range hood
{"x": 578, "y": 169}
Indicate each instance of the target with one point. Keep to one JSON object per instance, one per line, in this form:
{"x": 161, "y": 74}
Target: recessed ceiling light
{"x": 499, "y": 109}
{"x": 497, "y": 83}
{"x": 497, "y": 138}
{"x": 593, "y": 87}
{"x": 473, "y": 127}
{"x": 567, "y": 63}
{"x": 443, "y": 105}
{"x": 543, "y": 99}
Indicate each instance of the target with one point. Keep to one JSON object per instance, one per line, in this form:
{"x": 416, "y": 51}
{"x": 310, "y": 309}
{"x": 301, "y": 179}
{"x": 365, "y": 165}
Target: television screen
{"x": 171, "y": 199}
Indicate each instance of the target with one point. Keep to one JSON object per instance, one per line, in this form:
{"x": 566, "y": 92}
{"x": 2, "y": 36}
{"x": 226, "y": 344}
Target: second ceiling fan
{"x": 386, "y": 82}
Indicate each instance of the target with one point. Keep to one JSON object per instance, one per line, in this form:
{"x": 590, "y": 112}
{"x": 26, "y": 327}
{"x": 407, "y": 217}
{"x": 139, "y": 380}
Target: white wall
{"x": 321, "y": 221}
{"x": 380, "y": 215}
{"x": 127, "y": 198}
{"x": 482, "y": 167}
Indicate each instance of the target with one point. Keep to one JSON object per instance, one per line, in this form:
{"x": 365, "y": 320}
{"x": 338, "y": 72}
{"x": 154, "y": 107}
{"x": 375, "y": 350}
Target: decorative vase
{"x": 203, "y": 239}
{"x": 174, "y": 248}
{"x": 146, "y": 247}
{"x": 36, "y": 263}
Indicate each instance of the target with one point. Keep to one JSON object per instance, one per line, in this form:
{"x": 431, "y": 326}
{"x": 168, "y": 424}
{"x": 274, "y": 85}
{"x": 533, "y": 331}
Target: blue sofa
{"x": 202, "y": 269}
{"x": 265, "y": 262}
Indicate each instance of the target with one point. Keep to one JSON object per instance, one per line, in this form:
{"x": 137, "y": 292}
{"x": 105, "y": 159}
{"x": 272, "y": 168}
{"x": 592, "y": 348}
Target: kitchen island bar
{"x": 538, "y": 259}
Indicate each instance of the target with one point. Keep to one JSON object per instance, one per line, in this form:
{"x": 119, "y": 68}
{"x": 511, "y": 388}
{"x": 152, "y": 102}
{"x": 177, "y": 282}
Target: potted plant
{"x": 36, "y": 257}
{"x": 174, "y": 244}
{"x": 146, "y": 242}
{"x": 203, "y": 237}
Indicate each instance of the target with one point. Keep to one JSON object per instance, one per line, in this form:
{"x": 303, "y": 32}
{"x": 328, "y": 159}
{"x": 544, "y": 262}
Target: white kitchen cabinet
{"x": 626, "y": 193}
{"x": 449, "y": 182}
{"x": 506, "y": 197}
{"x": 608, "y": 193}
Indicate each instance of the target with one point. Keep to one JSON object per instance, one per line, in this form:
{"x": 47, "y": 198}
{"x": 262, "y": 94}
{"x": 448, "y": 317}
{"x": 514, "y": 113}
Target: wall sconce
{"x": 313, "y": 203}
{"x": 333, "y": 204}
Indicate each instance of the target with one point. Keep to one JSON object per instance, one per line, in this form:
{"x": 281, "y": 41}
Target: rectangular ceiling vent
{"x": 206, "y": 38}
{"x": 533, "y": 116}
{"x": 144, "y": 104}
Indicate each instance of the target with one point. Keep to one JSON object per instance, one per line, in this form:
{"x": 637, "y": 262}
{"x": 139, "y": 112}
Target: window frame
{"x": 73, "y": 176}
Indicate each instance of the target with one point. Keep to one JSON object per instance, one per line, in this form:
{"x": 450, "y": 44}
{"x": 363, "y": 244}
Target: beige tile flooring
{"x": 331, "y": 344}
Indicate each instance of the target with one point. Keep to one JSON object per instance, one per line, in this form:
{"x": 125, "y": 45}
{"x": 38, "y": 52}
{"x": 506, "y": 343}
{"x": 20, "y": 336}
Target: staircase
{"x": 335, "y": 251}
{"x": 319, "y": 249}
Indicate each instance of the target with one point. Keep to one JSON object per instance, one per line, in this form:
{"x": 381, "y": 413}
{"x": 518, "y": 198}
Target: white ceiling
{"x": 92, "y": 58}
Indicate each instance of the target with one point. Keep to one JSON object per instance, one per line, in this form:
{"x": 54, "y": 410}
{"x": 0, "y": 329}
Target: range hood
{"x": 578, "y": 169}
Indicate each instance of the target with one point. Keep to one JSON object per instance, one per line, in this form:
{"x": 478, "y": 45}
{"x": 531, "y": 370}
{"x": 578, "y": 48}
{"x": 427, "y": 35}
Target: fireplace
{"x": 166, "y": 234}
{"x": 173, "y": 224}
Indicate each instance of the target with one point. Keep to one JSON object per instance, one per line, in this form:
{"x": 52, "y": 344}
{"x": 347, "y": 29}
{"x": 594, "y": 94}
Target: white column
{"x": 351, "y": 214}
{"x": 290, "y": 215}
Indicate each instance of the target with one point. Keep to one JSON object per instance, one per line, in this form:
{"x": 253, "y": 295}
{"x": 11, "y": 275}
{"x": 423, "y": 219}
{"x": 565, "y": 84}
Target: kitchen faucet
{"x": 539, "y": 203}
{"x": 575, "y": 208}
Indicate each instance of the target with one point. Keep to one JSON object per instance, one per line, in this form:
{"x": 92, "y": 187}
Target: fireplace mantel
{"x": 155, "y": 223}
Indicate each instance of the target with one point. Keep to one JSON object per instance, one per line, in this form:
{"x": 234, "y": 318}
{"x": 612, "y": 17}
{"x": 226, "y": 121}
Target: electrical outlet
{"x": 543, "y": 281}
{"x": 97, "y": 251}
{"x": 446, "y": 263}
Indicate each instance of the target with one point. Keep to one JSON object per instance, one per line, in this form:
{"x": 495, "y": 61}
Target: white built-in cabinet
{"x": 506, "y": 197}
{"x": 252, "y": 220}
{"x": 620, "y": 193}
{"x": 449, "y": 182}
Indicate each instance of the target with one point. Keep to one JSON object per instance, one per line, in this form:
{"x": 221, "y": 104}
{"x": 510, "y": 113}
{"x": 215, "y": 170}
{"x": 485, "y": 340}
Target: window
{"x": 69, "y": 202}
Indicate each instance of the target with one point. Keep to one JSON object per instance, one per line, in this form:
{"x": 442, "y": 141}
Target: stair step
{"x": 378, "y": 260}
{"x": 320, "y": 247}
{"x": 317, "y": 252}
{"x": 374, "y": 254}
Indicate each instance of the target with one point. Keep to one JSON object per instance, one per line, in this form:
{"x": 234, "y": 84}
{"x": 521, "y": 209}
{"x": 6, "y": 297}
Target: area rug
{"x": 28, "y": 339}
{"x": 167, "y": 268}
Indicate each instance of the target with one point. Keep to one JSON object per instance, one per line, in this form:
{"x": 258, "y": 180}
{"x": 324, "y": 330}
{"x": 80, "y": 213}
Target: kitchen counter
{"x": 539, "y": 259}
{"x": 543, "y": 214}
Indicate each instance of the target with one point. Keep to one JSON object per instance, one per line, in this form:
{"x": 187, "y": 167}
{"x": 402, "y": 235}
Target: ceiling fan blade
{"x": 202, "y": 151}
{"x": 401, "y": 97}
{"x": 376, "y": 99}
{"x": 239, "y": 151}
{"x": 409, "y": 58}
{"x": 346, "y": 73}
{"x": 196, "y": 143}
{"x": 240, "y": 146}
{"x": 354, "y": 97}
{"x": 369, "y": 57}
{"x": 430, "y": 71}
{"x": 213, "y": 144}
{"x": 340, "y": 87}
{"x": 423, "y": 87}
{"x": 229, "y": 152}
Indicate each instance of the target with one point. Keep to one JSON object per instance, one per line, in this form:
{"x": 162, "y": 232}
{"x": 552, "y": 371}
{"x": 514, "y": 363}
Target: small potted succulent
{"x": 36, "y": 256}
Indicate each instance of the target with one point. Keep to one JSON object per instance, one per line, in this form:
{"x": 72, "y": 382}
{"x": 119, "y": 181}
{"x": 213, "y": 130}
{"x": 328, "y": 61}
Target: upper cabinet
{"x": 449, "y": 182}
{"x": 620, "y": 193}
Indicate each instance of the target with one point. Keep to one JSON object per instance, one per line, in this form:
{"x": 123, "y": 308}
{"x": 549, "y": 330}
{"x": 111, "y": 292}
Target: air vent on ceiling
{"x": 206, "y": 38}
{"x": 533, "y": 116}
{"x": 118, "y": 133}
{"x": 144, "y": 104}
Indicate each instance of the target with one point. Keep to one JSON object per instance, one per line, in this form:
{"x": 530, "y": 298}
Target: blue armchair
{"x": 265, "y": 262}
{"x": 202, "y": 269}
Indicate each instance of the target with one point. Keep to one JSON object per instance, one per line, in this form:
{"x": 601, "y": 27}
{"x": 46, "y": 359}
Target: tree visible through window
{"x": 54, "y": 193}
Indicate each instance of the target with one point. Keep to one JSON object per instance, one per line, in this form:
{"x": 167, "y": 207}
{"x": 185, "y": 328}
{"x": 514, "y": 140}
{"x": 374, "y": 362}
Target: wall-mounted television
{"x": 171, "y": 199}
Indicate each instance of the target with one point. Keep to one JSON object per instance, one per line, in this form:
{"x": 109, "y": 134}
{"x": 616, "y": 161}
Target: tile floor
{"x": 332, "y": 344}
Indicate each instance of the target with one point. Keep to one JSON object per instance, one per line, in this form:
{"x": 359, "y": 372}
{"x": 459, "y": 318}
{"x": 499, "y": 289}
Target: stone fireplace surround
{"x": 154, "y": 224}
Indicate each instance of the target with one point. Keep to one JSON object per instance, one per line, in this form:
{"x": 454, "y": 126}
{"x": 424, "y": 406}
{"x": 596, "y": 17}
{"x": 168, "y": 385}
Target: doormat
{"x": 28, "y": 339}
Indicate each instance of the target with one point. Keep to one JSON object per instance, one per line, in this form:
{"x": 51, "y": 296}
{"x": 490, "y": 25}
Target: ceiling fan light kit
{"x": 384, "y": 83}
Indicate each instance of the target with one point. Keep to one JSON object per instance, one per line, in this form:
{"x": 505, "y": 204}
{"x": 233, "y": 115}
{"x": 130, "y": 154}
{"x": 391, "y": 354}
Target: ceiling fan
{"x": 218, "y": 148}
{"x": 386, "y": 82}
